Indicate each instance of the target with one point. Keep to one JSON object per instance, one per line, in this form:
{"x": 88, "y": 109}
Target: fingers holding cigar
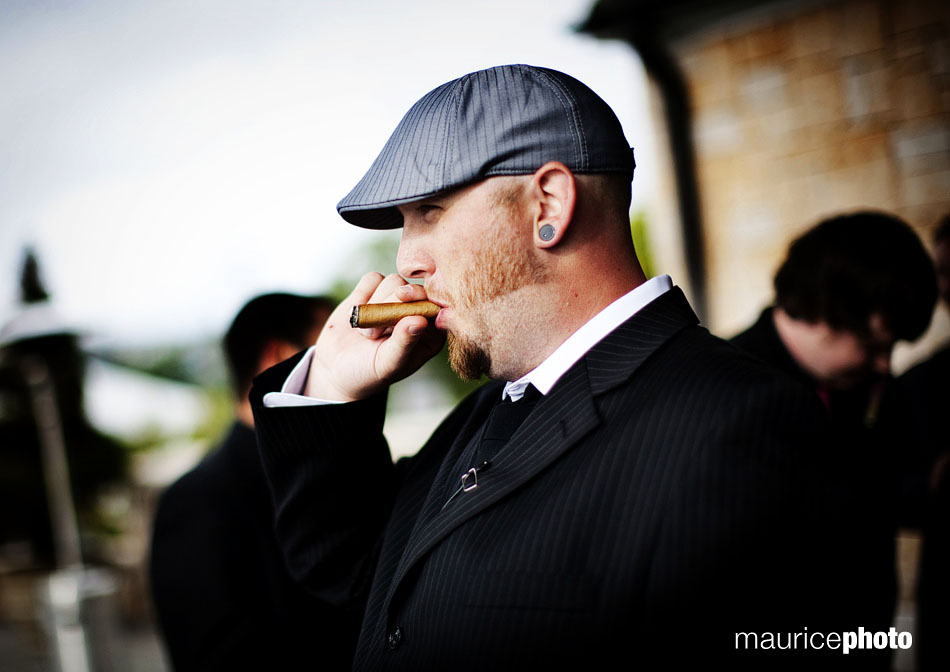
{"x": 350, "y": 364}
{"x": 370, "y": 315}
{"x": 394, "y": 299}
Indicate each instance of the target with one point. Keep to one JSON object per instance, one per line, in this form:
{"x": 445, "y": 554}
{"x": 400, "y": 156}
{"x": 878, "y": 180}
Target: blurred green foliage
{"x": 201, "y": 363}
{"x": 378, "y": 254}
{"x": 641, "y": 241}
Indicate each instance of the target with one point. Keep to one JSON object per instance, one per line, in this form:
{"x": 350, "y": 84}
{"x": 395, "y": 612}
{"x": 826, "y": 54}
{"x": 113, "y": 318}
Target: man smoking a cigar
{"x": 628, "y": 485}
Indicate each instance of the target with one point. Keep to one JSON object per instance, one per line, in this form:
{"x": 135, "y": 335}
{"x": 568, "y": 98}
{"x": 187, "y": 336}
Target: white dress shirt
{"x": 543, "y": 377}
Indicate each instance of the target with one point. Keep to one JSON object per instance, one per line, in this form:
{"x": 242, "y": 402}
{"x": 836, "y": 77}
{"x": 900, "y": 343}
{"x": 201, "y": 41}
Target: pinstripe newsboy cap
{"x": 508, "y": 120}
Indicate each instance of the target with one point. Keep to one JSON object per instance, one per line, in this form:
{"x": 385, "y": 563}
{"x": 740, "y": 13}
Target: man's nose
{"x": 412, "y": 262}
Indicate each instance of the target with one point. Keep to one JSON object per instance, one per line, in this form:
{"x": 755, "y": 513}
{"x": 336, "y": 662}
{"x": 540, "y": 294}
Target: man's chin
{"x": 467, "y": 358}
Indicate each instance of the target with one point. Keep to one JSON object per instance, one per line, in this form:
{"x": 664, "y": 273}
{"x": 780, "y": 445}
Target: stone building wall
{"x": 806, "y": 109}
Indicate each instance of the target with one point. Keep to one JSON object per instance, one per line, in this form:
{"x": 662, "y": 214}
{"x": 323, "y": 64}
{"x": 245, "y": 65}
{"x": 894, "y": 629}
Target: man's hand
{"x": 350, "y": 364}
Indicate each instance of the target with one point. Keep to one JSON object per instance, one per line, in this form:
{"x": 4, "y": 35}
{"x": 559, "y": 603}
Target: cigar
{"x": 370, "y": 315}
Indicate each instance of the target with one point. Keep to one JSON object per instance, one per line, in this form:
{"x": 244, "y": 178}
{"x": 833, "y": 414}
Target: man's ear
{"x": 555, "y": 192}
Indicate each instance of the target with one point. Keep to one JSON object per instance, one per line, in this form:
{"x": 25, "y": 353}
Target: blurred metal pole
{"x": 55, "y": 467}
{"x": 64, "y": 590}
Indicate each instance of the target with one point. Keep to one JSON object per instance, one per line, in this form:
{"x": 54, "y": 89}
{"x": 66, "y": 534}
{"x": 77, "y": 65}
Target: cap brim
{"x": 382, "y": 214}
{"x": 375, "y": 218}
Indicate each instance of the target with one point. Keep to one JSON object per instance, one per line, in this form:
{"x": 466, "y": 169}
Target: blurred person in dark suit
{"x": 847, "y": 291}
{"x": 223, "y": 597}
{"x": 627, "y": 487}
{"x": 927, "y": 388}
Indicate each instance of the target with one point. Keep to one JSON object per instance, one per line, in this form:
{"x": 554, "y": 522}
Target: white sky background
{"x": 169, "y": 160}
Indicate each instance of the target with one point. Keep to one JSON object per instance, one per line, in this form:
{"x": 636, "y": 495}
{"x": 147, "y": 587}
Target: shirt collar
{"x": 592, "y": 332}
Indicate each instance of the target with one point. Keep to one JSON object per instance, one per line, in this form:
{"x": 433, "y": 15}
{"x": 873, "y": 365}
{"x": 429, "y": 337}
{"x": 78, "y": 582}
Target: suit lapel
{"x": 438, "y": 493}
{"x": 557, "y": 423}
{"x": 613, "y": 360}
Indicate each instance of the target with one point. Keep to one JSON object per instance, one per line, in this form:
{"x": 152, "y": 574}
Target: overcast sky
{"x": 168, "y": 160}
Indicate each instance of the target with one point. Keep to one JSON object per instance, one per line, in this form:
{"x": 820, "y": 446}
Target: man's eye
{"x": 427, "y": 209}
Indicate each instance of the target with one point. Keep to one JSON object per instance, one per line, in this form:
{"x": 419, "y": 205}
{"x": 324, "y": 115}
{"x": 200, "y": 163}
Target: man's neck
{"x": 576, "y": 305}
{"x": 587, "y": 335}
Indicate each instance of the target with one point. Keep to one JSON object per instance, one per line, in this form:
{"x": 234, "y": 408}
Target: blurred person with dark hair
{"x": 927, "y": 389}
{"x": 269, "y": 328}
{"x": 848, "y": 290}
{"x": 223, "y": 597}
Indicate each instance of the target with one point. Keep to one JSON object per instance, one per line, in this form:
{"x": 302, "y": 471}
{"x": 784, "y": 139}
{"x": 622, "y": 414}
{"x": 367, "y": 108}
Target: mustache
{"x": 443, "y": 298}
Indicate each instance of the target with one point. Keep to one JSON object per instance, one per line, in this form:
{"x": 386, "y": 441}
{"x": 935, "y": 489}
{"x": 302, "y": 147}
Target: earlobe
{"x": 555, "y": 190}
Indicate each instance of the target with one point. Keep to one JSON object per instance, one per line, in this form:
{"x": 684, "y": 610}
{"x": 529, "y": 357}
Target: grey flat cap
{"x": 507, "y": 120}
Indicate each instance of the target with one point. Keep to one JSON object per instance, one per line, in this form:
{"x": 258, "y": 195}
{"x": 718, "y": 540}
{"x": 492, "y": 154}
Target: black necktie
{"x": 503, "y": 421}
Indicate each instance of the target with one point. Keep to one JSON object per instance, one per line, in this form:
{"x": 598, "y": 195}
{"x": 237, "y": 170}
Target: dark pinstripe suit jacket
{"x": 664, "y": 495}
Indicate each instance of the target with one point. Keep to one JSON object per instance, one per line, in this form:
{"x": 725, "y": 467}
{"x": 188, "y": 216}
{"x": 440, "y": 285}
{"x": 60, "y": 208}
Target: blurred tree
{"x": 31, "y": 287}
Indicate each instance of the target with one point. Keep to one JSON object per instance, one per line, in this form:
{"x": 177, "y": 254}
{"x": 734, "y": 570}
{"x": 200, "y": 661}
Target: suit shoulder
{"x": 705, "y": 373}
{"x": 711, "y": 355}
{"x": 208, "y": 487}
